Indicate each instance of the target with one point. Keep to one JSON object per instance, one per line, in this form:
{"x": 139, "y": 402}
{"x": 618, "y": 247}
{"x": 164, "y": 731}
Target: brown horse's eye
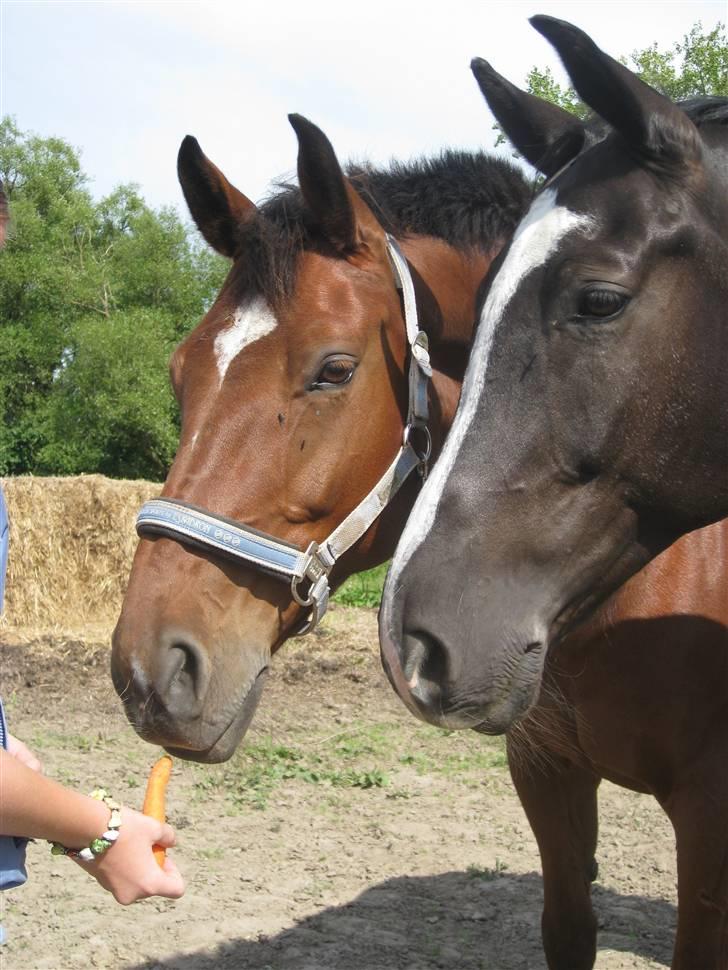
{"x": 335, "y": 372}
{"x": 601, "y": 302}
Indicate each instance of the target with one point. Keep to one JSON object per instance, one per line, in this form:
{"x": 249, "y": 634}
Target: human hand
{"x": 128, "y": 869}
{"x": 23, "y": 753}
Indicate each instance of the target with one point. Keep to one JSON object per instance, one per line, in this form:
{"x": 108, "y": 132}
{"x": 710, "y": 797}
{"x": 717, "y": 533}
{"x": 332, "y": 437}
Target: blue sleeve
{"x": 12, "y": 850}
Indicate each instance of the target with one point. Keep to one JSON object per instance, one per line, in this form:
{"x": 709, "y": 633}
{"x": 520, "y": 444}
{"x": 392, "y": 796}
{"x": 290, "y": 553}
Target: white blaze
{"x": 535, "y": 239}
{"x": 252, "y": 321}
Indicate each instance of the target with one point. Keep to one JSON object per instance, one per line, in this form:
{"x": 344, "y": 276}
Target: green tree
{"x": 697, "y": 65}
{"x": 112, "y": 409}
{"x": 77, "y": 277}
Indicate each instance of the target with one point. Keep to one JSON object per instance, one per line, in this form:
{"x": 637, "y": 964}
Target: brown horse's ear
{"x": 217, "y": 207}
{"x": 338, "y": 212}
{"x": 650, "y": 122}
{"x": 546, "y": 135}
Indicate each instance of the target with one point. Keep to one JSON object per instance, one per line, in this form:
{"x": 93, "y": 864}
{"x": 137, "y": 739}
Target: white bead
{"x": 86, "y": 854}
{"x": 111, "y": 835}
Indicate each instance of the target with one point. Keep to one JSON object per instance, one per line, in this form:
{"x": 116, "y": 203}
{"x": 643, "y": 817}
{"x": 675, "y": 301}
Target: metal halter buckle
{"x": 312, "y": 569}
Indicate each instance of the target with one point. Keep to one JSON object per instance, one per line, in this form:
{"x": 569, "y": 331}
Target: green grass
{"x": 44, "y": 739}
{"x": 487, "y": 873}
{"x": 261, "y": 768}
{"x": 363, "y": 589}
{"x": 448, "y": 762}
{"x": 367, "y": 757}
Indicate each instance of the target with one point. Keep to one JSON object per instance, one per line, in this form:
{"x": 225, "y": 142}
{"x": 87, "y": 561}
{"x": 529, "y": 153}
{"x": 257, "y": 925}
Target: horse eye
{"x": 335, "y": 372}
{"x": 601, "y": 303}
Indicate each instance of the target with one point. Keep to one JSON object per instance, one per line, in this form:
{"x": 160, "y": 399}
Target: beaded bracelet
{"x": 104, "y": 842}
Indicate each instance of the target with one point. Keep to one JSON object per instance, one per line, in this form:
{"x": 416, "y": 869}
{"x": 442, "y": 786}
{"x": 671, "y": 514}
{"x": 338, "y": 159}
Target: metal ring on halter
{"x": 294, "y": 591}
{"x": 423, "y": 456}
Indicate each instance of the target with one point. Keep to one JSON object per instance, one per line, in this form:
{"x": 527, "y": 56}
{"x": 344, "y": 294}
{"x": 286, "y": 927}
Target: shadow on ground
{"x": 484, "y": 921}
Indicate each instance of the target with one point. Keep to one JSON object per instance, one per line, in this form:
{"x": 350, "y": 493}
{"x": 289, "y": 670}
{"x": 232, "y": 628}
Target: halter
{"x": 205, "y": 530}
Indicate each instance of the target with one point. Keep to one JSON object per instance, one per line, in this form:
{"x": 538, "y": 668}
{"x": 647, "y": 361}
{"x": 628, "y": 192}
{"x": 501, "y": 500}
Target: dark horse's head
{"x": 294, "y": 396}
{"x": 592, "y": 429}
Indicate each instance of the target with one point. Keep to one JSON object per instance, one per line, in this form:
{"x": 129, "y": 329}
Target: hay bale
{"x": 71, "y": 545}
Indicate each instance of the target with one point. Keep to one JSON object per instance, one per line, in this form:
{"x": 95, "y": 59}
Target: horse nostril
{"x": 435, "y": 666}
{"x": 533, "y": 645}
{"x": 426, "y": 663}
{"x": 182, "y": 677}
{"x": 183, "y": 666}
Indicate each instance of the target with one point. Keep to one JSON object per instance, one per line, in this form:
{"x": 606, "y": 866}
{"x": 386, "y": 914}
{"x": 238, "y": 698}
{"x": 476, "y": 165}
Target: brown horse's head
{"x": 275, "y": 398}
{"x": 293, "y": 395}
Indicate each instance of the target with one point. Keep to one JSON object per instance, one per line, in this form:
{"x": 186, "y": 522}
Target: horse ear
{"x": 217, "y": 207}
{"x": 338, "y": 212}
{"x": 650, "y": 122}
{"x": 546, "y": 135}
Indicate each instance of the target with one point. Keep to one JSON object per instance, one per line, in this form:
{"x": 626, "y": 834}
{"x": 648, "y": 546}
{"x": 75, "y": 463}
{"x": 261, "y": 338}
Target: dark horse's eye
{"x": 601, "y": 302}
{"x": 335, "y": 372}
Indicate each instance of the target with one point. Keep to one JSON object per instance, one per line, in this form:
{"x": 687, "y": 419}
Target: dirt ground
{"x": 344, "y": 836}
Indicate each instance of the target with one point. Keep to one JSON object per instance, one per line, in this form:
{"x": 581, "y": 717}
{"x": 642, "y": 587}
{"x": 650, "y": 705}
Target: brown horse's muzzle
{"x": 191, "y": 678}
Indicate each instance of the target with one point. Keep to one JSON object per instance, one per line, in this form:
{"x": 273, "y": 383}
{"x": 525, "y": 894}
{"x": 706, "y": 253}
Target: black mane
{"x": 471, "y": 201}
{"x": 705, "y": 109}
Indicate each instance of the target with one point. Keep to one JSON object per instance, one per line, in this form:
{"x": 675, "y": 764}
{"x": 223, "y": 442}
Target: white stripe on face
{"x": 535, "y": 239}
{"x": 252, "y": 321}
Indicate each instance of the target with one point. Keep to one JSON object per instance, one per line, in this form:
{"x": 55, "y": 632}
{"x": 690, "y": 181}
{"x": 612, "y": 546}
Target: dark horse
{"x": 593, "y": 425}
{"x": 639, "y": 694}
{"x": 449, "y": 223}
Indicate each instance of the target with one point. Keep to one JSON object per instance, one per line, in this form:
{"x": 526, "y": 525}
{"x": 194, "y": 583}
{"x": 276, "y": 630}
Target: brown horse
{"x": 634, "y": 659}
{"x": 293, "y": 393}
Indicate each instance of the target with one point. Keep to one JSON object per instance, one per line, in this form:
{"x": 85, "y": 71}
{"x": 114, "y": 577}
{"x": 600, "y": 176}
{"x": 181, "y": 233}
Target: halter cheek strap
{"x": 308, "y": 572}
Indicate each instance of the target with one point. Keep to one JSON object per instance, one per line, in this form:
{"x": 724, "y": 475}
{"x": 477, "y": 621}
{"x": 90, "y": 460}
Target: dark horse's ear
{"x": 650, "y": 122}
{"x": 546, "y": 135}
{"x": 338, "y": 212}
{"x": 217, "y": 207}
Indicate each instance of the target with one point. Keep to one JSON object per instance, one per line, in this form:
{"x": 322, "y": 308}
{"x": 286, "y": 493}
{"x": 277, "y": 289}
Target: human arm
{"x": 37, "y": 807}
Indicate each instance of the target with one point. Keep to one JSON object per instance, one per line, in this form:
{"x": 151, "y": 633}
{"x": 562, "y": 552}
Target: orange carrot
{"x": 154, "y": 797}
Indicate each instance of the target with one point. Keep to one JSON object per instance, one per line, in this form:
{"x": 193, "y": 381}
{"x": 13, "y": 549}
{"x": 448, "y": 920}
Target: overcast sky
{"x": 125, "y": 81}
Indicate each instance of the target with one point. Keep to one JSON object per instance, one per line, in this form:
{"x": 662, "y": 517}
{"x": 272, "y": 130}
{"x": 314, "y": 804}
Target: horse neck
{"x": 447, "y": 281}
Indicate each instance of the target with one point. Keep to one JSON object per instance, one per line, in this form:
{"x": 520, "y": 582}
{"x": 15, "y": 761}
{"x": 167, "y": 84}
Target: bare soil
{"x": 343, "y": 836}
